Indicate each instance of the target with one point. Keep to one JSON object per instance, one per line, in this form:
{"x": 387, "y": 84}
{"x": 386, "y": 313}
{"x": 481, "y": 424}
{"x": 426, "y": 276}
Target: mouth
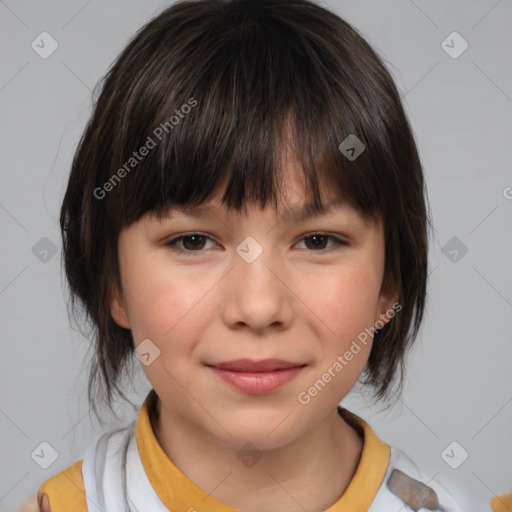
{"x": 249, "y": 365}
{"x": 257, "y": 377}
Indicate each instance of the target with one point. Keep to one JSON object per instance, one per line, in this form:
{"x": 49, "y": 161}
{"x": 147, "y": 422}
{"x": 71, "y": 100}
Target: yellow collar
{"x": 177, "y": 492}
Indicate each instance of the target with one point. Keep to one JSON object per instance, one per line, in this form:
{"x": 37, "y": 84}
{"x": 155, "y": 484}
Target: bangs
{"x": 243, "y": 97}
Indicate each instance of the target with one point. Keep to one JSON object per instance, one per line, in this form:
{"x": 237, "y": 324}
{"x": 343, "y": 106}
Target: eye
{"x": 318, "y": 241}
{"x": 194, "y": 242}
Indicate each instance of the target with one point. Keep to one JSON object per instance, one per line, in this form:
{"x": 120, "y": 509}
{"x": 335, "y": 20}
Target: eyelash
{"x": 172, "y": 244}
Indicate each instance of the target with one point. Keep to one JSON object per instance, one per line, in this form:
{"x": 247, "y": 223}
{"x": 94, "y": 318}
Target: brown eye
{"x": 194, "y": 243}
{"x": 191, "y": 243}
{"x": 318, "y": 241}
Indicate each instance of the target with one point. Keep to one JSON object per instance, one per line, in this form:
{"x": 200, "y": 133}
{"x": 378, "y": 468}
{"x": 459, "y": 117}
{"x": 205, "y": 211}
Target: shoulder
{"x": 405, "y": 484}
{"x": 65, "y": 490}
{"x": 29, "y": 505}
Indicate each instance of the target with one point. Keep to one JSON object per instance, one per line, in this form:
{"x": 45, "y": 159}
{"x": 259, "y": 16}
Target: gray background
{"x": 459, "y": 384}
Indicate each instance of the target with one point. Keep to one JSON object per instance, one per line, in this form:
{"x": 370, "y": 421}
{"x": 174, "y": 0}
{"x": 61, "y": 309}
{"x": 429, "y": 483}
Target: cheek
{"x": 344, "y": 313}
{"x": 346, "y": 303}
{"x": 167, "y": 310}
{"x": 165, "y": 306}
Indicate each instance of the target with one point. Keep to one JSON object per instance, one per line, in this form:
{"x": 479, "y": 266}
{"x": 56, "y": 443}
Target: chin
{"x": 266, "y": 431}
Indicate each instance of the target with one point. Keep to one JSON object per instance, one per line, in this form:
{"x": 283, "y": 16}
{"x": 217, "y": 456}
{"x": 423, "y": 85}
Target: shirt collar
{"x": 177, "y": 492}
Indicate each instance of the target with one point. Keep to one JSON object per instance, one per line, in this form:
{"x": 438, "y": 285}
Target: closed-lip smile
{"x": 250, "y": 365}
{"x": 257, "y": 377}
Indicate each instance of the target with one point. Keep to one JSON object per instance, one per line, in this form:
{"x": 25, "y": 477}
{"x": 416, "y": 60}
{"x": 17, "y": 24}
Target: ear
{"x": 118, "y": 310}
{"x": 387, "y": 305}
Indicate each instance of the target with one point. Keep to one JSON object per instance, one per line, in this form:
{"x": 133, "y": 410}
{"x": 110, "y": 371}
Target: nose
{"x": 257, "y": 295}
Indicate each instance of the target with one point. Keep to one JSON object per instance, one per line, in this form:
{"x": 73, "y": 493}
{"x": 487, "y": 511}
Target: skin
{"x": 296, "y": 302}
{"x": 32, "y": 505}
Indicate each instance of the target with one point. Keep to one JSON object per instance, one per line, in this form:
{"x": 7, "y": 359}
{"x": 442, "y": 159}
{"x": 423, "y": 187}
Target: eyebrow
{"x": 294, "y": 213}
{"x": 310, "y": 210}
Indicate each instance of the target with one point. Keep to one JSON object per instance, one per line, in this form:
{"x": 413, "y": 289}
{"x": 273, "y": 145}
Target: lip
{"x": 250, "y": 365}
{"x": 257, "y": 377}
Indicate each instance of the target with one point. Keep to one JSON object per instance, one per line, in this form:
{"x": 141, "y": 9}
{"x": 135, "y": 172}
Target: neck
{"x": 311, "y": 472}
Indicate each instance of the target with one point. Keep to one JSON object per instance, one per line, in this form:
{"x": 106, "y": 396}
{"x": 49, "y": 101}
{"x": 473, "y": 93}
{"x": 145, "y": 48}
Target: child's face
{"x": 298, "y": 301}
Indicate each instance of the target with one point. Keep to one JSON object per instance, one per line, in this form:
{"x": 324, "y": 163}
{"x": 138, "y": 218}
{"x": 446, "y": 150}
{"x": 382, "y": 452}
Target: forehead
{"x": 297, "y": 212}
{"x": 293, "y": 202}
{"x": 286, "y": 213}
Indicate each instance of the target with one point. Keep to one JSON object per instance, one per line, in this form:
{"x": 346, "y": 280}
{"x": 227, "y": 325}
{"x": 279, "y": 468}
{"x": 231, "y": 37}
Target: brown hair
{"x": 215, "y": 90}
